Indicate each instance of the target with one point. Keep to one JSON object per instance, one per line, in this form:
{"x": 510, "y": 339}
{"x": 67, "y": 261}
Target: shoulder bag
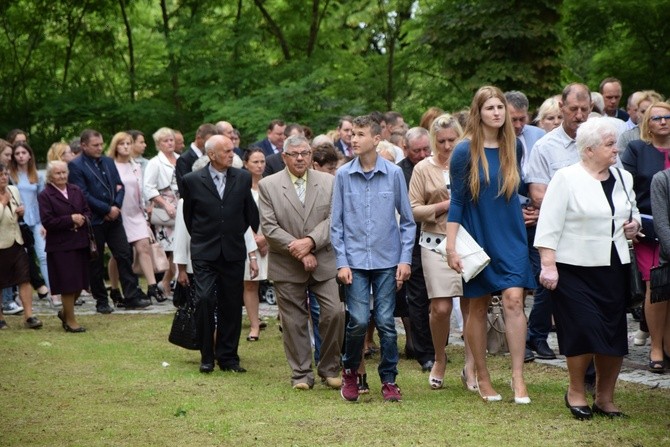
{"x": 159, "y": 258}
{"x": 637, "y": 287}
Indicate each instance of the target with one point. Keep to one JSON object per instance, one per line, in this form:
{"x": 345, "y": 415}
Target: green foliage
{"x": 68, "y": 64}
{"x": 627, "y": 40}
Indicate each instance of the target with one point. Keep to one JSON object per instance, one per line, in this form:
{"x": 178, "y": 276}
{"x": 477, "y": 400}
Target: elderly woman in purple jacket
{"x": 64, "y": 211}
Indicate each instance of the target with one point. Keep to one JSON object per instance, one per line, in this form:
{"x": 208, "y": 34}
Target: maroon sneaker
{"x": 391, "y": 392}
{"x": 349, "y": 390}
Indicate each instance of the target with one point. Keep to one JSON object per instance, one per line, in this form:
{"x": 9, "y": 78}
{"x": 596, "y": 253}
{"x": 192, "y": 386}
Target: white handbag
{"x": 473, "y": 257}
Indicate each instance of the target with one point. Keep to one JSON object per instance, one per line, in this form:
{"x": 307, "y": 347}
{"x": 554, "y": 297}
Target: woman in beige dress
{"x": 429, "y": 197}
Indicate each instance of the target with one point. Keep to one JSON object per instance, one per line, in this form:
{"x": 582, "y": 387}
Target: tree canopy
{"x": 144, "y": 64}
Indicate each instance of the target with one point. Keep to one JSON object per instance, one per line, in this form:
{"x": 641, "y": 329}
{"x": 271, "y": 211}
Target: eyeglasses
{"x": 303, "y": 154}
{"x": 658, "y": 118}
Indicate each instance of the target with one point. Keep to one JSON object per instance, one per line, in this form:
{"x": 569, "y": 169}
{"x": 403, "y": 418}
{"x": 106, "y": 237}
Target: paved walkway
{"x": 634, "y": 365}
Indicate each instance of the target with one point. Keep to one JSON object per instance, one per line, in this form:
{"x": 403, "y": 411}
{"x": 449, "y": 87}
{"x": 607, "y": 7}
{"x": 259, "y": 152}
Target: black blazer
{"x": 217, "y": 225}
{"x": 102, "y": 191}
{"x": 273, "y": 163}
{"x": 56, "y": 212}
{"x": 184, "y": 166}
{"x": 265, "y": 146}
{"x": 340, "y": 147}
{"x": 643, "y": 160}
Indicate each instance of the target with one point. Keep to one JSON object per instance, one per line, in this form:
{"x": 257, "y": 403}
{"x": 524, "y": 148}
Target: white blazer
{"x": 158, "y": 175}
{"x": 576, "y": 219}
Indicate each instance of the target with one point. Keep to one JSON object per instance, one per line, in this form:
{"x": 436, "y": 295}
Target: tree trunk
{"x": 131, "y": 52}
{"x": 172, "y": 62}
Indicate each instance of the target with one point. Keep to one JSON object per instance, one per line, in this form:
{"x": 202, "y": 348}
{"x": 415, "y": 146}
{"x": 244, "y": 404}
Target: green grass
{"x": 108, "y": 388}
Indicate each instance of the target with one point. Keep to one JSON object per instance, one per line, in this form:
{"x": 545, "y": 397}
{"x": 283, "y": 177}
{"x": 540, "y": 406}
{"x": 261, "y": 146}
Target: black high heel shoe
{"x": 579, "y": 412}
{"x": 610, "y": 414}
{"x": 154, "y": 292}
{"x": 67, "y": 327}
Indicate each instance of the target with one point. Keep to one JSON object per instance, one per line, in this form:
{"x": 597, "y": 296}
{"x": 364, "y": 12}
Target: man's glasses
{"x": 303, "y": 154}
{"x": 658, "y": 118}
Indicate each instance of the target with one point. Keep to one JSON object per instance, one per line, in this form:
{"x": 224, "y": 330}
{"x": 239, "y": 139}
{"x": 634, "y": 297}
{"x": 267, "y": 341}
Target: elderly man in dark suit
{"x": 218, "y": 209}
{"x": 97, "y": 177}
{"x": 295, "y": 220}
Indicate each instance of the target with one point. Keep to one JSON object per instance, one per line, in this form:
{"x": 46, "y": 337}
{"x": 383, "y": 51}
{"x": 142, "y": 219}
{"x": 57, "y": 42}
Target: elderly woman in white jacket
{"x": 587, "y": 215}
{"x": 160, "y": 188}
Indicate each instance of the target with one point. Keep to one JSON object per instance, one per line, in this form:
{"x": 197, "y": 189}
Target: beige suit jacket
{"x": 284, "y": 219}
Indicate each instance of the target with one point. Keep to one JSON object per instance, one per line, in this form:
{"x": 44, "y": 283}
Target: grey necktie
{"x": 300, "y": 189}
{"x": 220, "y": 182}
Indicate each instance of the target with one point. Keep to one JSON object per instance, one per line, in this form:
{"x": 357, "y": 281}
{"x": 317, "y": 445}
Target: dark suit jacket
{"x": 102, "y": 191}
{"x": 273, "y": 163}
{"x": 56, "y": 211}
{"x": 340, "y": 147}
{"x": 217, "y": 225}
{"x": 265, "y": 146}
{"x": 407, "y": 169}
{"x": 184, "y": 166}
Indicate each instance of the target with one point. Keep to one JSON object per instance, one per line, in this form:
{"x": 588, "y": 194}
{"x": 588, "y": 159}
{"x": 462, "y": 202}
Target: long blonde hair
{"x": 474, "y": 130}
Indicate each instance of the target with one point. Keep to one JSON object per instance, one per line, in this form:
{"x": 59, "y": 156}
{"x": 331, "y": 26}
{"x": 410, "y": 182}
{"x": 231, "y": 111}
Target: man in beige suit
{"x": 294, "y": 207}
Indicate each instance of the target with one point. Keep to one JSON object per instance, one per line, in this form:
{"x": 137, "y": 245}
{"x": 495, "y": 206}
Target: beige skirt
{"x": 441, "y": 280}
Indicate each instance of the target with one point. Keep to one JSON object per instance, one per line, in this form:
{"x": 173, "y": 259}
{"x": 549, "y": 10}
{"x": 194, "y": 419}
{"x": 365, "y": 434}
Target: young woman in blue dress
{"x": 485, "y": 177}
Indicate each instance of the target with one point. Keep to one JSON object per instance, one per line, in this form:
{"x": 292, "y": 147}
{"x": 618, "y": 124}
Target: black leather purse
{"x": 184, "y": 331}
{"x": 637, "y": 286}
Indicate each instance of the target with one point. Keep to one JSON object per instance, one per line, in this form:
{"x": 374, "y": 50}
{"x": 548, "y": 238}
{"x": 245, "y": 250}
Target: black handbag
{"x": 184, "y": 330}
{"x": 660, "y": 283}
{"x": 637, "y": 286}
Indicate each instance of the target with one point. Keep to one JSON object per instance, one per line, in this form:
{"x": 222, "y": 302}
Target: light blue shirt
{"x": 29, "y": 192}
{"x": 363, "y": 227}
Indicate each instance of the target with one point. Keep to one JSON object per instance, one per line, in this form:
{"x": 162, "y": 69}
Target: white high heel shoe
{"x": 494, "y": 398}
{"x": 518, "y": 400}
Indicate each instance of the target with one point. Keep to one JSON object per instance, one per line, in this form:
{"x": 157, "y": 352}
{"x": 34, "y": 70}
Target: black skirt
{"x": 589, "y": 309}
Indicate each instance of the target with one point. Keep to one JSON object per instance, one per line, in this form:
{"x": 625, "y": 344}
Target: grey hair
{"x": 296, "y": 141}
{"x": 517, "y": 100}
{"x": 415, "y": 133}
{"x": 53, "y": 165}
{"x": 550, "y": 105}
{"x": 591, "y": 133}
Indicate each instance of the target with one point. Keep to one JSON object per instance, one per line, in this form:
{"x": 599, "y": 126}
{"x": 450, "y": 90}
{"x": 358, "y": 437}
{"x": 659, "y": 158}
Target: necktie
{"x": 220, "y": 181}
{"x": 300, "y": 189}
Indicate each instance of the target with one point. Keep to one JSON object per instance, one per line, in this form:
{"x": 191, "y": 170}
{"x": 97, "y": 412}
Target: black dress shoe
{"x": 206, "y": 368}
{"x": 528, "y": 356}
{"x": 427, "y": 366}
{"x": 137, "y": 303}
{"x": 610, "y": 414}
{"x": 104, "y": 309}
{"x": 542, "y": 349}
{"x": 233, "y": 368}
{"x": 581, "y": 412}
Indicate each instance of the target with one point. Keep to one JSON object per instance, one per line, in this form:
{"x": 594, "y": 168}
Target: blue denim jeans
{"x": 382, "y": 282}
{"x": 539, "y": 320}
{"x": 314, "y": 314}
{"x": 7, "y": 296}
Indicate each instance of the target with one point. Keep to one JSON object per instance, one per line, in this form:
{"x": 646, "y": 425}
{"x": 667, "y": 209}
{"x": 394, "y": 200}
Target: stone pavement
{"x": 634, "y": 365}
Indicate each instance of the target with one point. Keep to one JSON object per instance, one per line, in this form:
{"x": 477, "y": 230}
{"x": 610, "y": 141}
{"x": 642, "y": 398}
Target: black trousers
{"x": 219, "y": 286}
{"x": 113, "y": 234}
{"x": 419, "y": 309}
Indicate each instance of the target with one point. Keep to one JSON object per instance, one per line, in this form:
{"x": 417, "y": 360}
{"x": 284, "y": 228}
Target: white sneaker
{"x": 12, "y": 308}
{"x": 640, "y": 338}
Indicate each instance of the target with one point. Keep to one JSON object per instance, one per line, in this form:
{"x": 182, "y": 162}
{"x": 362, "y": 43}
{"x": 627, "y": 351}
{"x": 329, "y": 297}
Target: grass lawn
{"x": 108, "y": 388}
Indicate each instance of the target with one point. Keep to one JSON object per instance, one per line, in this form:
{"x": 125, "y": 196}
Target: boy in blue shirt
{"x": 373, "y": 251}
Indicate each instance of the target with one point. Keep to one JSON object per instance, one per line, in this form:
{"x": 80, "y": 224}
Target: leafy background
{"x": 144, "y": 64}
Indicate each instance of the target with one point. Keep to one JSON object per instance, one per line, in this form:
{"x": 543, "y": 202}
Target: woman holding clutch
{"x": 485, "y": 177}
{"x": 430, "y": 200}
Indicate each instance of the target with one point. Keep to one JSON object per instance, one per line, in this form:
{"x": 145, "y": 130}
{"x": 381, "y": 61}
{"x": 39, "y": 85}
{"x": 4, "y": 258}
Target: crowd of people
{"x": 339, "y": 223}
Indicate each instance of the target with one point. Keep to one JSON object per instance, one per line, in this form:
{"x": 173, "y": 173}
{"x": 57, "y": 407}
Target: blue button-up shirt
{"x": 363, "y": 227}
